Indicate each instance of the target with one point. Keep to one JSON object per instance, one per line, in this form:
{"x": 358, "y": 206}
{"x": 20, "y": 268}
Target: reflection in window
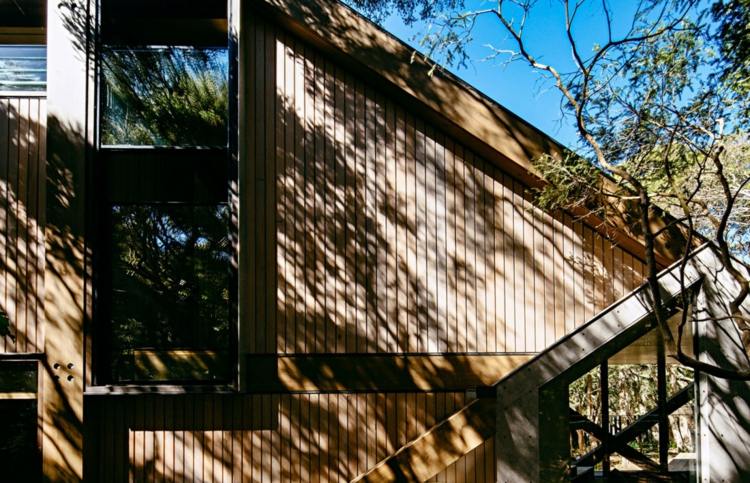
{"x": 170, "y": 292}
{"x": 165, "y": 97}
{"x": 23, "y": 67}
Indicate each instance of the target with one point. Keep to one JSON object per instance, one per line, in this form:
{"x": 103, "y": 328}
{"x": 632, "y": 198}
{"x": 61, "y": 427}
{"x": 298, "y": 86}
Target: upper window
{"x": 164, "y": 298}
{"x": 23, "y": 54}
{"x": 23, "y": 68}
{"x": 164, "y": 96}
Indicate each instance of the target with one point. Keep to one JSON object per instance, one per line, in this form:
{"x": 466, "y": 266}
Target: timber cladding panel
{"x": 371, "y": 231}
{"x": 268, "y": 438}
{"x": 22, "y": 187}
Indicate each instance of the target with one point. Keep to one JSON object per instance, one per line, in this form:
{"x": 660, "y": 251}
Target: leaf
{"x": 5, "y": 325}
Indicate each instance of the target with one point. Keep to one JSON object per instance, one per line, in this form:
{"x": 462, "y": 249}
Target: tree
{"x": 733, "y": 17}
{"x": 659, "y": 105}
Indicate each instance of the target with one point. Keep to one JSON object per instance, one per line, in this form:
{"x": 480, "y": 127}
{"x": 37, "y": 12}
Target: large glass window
{"x": 164, "y": 96}
{"x": 165, "y": 290}
{"x": 170, "y": 291}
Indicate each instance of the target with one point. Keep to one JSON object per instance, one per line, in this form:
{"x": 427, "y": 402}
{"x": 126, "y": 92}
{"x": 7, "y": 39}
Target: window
{"x": 23, "y": 68}
{"x": 19, "y": 446}
{"x": 23, "y": 54}
{"x": 164, "y": 96}
{"x": 165, "y": 288}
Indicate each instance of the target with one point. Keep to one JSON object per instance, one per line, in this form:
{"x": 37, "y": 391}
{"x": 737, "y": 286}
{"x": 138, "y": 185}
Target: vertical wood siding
{"x": 477, "y": 466}
{"x": 389, "y": 236}
{"x": 263, "y": 438}
{"x": 368, "y": 230}
{"x": 22, "y": 188}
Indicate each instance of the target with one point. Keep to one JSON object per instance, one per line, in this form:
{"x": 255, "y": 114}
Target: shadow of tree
{"x": 22, "y": 131}
{"x": 371, "y": 232}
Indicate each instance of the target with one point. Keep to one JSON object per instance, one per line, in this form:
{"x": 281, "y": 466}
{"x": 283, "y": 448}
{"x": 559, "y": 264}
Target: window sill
{"x": 131, "y": 389}
{"x": 12, "y": 93}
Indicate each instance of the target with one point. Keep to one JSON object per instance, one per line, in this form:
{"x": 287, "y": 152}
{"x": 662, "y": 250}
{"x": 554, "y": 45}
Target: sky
{"x": 516, "y": 86}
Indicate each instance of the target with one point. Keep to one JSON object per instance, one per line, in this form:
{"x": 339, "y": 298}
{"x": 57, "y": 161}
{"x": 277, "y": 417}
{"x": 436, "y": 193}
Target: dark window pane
{"x": 165, "y": 97}
{"x": 23, "y": 13}
{"x": 19, "y": 453}
{"x": 166, "y": 22}
{"x": 170, "y": 292}
{"x": 23, "y": 67}
{"x": 18, "y": 376}
{"x": 138, "y": 176}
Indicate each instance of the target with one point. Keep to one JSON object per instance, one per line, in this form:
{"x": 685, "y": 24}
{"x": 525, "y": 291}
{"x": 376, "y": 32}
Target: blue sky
{"x": 516, "y": 86}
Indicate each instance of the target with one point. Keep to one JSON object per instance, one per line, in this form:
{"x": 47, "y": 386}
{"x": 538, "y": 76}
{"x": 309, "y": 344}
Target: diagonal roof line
{"x": 490, "y": 130}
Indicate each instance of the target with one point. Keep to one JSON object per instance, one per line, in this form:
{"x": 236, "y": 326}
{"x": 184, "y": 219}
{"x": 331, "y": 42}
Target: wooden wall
{"x": 373, "y": 232}
{"x": 268, "y": 438}
{"x": 364, "y": 230}
{"x": 477, "y": 466}
{"x": 22, "y": 179}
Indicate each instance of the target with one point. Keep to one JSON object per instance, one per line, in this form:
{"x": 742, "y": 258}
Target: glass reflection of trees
{"x": 167, "y": 96}
{"x": 170, "y": 282}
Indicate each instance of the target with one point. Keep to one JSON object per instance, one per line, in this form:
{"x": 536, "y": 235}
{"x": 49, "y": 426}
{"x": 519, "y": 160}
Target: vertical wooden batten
{"x": 373, "y": 231}
{"x": 68, "y": 146}
{"x": 23, "y": 122}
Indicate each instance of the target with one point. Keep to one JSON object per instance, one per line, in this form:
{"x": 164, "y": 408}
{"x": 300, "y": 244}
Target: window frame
{"x": 15, "y": 396}
{"x": 112, "y": 161}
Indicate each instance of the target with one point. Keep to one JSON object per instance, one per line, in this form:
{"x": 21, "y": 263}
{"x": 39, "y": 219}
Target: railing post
{"x": 604, "y": 382}
{"x": 661, "y": 383}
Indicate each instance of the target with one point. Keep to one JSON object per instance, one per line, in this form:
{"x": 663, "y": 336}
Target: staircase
{"x": 523, "y": 409}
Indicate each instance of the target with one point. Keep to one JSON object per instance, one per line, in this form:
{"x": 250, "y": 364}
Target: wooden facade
{"x": 389, "y": 236}
{"x": 268, "y": 437}
{"x": 22, "y": 189}
{"x": 388, "y": 266}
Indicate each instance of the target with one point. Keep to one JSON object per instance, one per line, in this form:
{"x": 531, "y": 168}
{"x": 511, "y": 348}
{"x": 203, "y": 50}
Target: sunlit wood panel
{"x": 22, "y": 187}
{"x": 270, "y": 437}
{"x": 388, "y": 236}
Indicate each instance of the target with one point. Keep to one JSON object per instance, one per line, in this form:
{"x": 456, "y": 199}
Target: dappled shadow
{"x": 414, "y": 82}
{"x": 347, "y": 33}
{"x": 22, "y": 177}
{"x": 723, "y": 425}
{"x": 392, "y": 237}
{"x": 373, "y": 234}
{"x": 65, "y": 307}
{"x": 273, "y": 437}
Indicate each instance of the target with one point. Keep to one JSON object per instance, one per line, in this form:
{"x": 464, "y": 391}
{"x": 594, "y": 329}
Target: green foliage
{"x": 572, "y": 178}
{"x": 733, "y": 17}
{"x": 170, "y": 279}
{"x": 4, "y": 324}
{"x": 169, "y": 97}
{"x": 655, "y": 104}
{"x": 632, "y": 393}
{"x": 409, "y": 10}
